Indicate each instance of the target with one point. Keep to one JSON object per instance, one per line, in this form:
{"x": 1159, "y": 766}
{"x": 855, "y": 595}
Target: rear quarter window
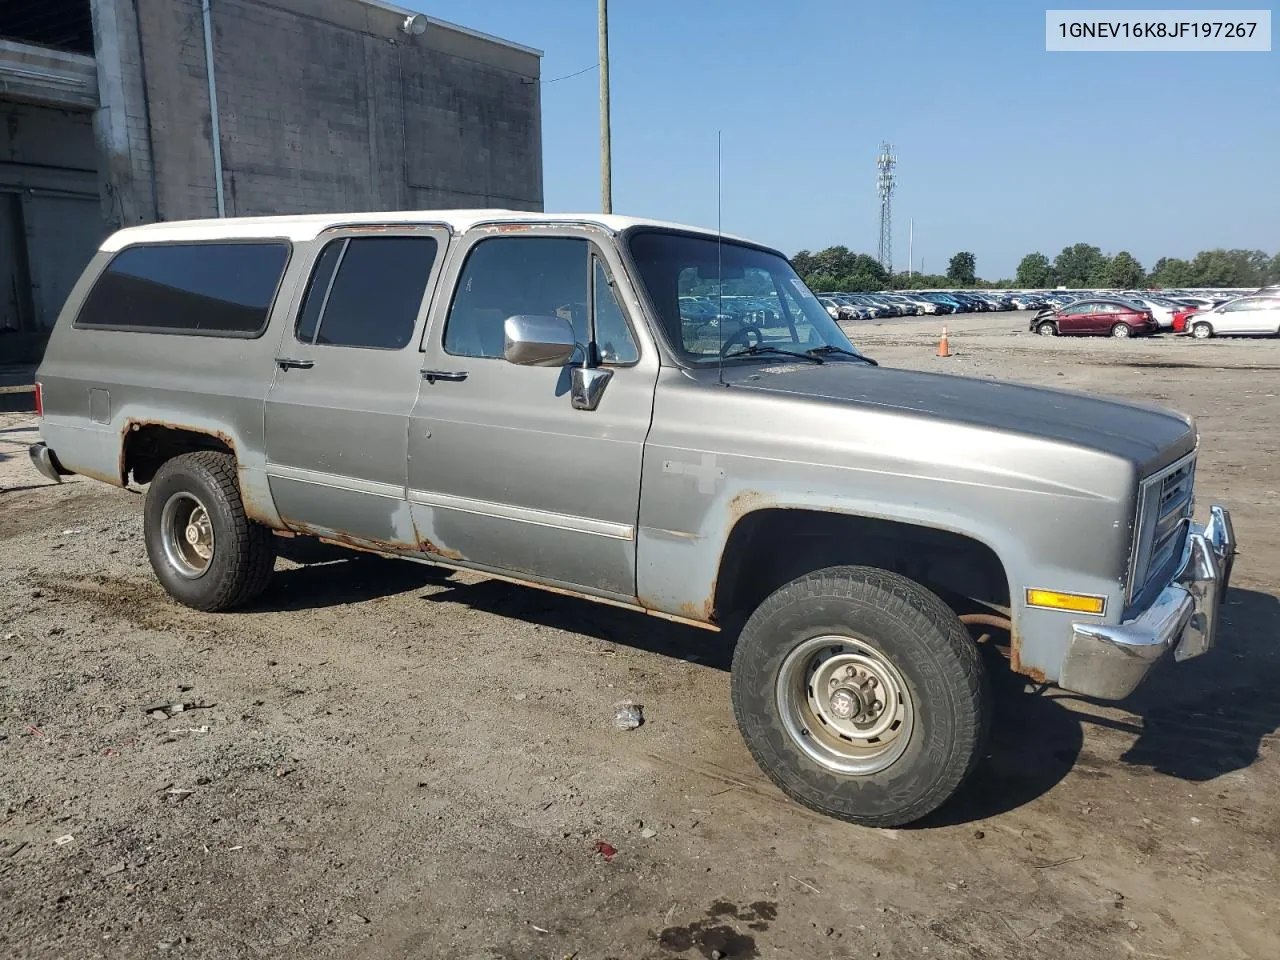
{"x": 204, "y": 289}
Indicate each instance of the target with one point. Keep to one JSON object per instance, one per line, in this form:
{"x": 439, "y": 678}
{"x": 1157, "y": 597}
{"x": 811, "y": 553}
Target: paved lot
{"x": 399, "y": 764}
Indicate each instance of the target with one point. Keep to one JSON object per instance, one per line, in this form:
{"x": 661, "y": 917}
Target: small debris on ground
{"x": 648, "y": 833}
{"x": 606, "y": 850}
{"x": 163, "y": 711}
{"x": 627, "y": 715}
{"x": 63, "y": 840}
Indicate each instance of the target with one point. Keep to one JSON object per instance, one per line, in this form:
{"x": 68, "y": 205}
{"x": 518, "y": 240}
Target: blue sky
{"x": 1003, "y": 148}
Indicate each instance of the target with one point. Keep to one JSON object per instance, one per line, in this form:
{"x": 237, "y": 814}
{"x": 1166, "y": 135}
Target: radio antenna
{"x": 719, "y": 276}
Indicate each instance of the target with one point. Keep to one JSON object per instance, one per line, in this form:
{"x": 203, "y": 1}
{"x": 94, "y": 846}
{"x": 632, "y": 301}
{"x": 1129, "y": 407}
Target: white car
{"x": 1246, "y": 316}
{"x": 1163, "y": 310}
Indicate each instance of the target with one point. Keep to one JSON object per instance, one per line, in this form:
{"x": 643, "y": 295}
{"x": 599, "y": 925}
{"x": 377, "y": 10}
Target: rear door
{"x": 1105, "y": 316}
{"x": 347, "y": 373}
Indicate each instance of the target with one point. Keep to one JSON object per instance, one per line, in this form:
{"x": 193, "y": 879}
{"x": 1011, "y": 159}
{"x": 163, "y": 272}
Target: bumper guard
{"x": 1109, "y": 661}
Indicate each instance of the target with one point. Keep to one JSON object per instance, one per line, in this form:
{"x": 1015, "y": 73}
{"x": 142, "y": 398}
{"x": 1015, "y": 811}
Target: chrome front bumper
{"x": 1108, "y": 662}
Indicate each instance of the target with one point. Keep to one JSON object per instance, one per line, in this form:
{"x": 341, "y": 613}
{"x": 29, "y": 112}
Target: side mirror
{"x": 538, "y": 341}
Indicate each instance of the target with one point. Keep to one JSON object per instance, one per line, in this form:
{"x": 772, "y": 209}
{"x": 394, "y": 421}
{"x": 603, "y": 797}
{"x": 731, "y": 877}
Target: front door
{"x": 505, "y": 474}
{"x": 1077, "y": 318}
{"x": 347, "y": 373}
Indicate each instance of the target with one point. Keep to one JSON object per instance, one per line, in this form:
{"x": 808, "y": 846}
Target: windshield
{"x": 752, "y": 300}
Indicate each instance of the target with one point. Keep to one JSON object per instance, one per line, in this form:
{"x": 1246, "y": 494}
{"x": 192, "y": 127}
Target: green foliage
{"x": 1080, "y": 265}
{"x": 1035, "y": 270}
{"x": 838, "y": 268}
{"x": 1124, "y": 272}
{"x": 962, "y": 268}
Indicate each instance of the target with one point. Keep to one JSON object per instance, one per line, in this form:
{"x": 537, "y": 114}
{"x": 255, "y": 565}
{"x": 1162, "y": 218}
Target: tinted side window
{"x": 215, "y": 289}
{"x": 366, "y": 292}
{"x": 507, "y": 276}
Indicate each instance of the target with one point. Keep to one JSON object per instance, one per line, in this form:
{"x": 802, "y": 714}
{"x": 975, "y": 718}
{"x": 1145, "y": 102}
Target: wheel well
{"x": 147, "y": 446}
{"x": 769, "y": 548}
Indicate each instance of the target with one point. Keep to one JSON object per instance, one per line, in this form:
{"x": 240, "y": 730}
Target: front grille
{"x": 1166, "y": 500}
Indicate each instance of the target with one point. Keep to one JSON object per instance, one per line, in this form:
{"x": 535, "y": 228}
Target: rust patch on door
{"x": 438, "y": 551}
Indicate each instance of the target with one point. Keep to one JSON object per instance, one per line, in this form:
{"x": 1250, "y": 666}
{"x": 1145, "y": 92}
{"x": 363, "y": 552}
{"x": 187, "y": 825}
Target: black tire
{"x": 1201, "y": 330}
{"x": 1121, "y": 331}
{"x": 1047, "y": 328}
{"x": 920, "y": 637}
{"x": 242, "y": 552}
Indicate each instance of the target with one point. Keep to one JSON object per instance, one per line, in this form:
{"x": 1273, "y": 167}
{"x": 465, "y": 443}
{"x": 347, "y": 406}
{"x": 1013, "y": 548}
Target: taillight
{"x": 39, "y": 400}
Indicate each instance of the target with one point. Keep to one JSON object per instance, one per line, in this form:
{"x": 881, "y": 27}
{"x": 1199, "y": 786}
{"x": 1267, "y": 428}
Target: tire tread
{"x": 914, "y": 609}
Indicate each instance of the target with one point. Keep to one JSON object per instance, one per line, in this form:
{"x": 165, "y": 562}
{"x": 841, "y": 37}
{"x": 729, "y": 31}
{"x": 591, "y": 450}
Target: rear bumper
{"x": 43, "y": 459}
{"x": 1108, "y": 662}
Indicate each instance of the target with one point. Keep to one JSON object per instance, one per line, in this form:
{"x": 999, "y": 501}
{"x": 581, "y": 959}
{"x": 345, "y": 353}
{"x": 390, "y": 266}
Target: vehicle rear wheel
{"x": 1201, "y": 330}
{"x": 1121, "y": 331}
{"x": 206, "y": 553}
{"x": 861, "y": 695}
{"x": 1047, "y": 329}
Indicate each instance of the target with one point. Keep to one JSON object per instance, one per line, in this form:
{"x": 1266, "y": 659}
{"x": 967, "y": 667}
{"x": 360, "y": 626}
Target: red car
{"x": 1180, "y": 319}
{"x": 1096, "y": 317}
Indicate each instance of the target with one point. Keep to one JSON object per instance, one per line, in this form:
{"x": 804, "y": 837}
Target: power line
{"x": 576, "y": 73}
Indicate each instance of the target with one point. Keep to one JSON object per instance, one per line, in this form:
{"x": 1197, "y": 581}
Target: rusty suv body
{"x": 520, "y": 395}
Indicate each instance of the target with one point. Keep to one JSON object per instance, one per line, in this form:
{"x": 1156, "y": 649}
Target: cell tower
{"x": 886, "y": 161}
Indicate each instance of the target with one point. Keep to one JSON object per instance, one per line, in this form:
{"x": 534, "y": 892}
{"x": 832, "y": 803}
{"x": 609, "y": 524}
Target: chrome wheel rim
{"x": 1200, "y": 331}
{"x": 845, "y": 705}
{"x": 187, "y": 533}
{"x": 1046, "y": 330}
{"x": 1120, "y": 331}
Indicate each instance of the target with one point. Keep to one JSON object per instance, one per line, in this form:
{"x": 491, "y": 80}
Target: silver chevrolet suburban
{"x": 650, "y": 416}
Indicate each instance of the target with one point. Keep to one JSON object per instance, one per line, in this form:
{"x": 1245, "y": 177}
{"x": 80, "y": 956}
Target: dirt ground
{"x": 394, "y": 763}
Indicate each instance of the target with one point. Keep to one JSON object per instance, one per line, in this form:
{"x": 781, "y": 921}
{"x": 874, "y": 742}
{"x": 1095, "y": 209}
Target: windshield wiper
{"x": 832, "y": 348}
{"x": 758, "y": 349}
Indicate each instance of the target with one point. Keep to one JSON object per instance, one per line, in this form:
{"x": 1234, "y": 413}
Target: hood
{"x": 1147, "y": 436}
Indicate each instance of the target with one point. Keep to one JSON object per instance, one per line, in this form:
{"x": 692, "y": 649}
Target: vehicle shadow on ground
{"x": 1194, "y": 721}
{"x": 330, "y": 576}
{"x": 601, "y": 621}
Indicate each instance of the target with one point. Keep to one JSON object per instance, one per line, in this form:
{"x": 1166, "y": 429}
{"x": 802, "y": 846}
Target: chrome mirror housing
{"x": 538, "y": 341}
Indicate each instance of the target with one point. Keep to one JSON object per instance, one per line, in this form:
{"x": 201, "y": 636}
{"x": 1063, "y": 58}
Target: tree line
{"x": 1079, "y": 265}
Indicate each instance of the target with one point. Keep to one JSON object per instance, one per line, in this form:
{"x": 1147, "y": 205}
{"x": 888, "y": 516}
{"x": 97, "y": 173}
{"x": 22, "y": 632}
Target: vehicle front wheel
{"x": 1201, "y": 330}
{"x": 861, "y": 695}
{"x": 1047, "y": 329}
{"x": 1121, "y": 331}
{"x": 206, "y": 553}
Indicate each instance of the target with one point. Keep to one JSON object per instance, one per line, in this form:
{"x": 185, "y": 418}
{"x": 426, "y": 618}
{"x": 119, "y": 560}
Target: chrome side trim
{"x": 335, "y": 481}
{"x": 541, "y": 518}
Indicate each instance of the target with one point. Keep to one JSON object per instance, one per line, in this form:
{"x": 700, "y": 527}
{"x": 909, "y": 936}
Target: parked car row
{"x": 872, "y": 306}
{"x": 1145, "y": 314}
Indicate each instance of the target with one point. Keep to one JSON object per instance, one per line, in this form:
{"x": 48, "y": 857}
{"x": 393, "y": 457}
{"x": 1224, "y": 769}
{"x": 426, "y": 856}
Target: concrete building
{"x": 117, "y": 112}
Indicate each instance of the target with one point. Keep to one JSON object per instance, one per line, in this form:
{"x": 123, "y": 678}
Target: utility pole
{"x": 606, "y": 149}
{"x": 911, "y": 236}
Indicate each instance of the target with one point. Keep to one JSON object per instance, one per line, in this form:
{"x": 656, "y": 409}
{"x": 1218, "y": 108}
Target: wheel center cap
{"x": 845, "y": 703}
{"x": 193, "y": 534}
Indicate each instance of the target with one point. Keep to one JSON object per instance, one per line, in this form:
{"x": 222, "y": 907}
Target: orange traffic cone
{"x": 944, "y": 347}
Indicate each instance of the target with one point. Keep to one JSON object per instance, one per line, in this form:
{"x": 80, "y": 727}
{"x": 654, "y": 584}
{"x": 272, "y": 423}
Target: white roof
{"x": 307, "y": 227}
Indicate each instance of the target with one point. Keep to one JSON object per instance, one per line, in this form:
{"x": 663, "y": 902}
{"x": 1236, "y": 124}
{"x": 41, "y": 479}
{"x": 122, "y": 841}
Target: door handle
{"x": 285, "y": 363}
{"x": 431, "y": 376}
